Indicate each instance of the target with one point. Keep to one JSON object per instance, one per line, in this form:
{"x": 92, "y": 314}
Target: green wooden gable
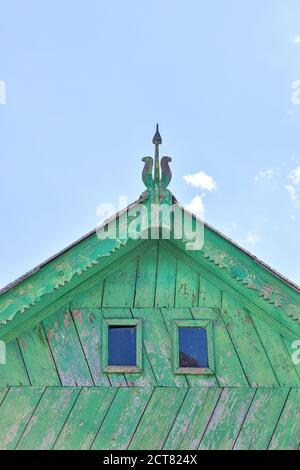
{"x": 55, "y": 392}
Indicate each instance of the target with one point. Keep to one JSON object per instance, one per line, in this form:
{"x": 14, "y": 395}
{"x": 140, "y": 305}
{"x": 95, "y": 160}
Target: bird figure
{"x": 147, "y": 172}
{"x": 166, "y": 174}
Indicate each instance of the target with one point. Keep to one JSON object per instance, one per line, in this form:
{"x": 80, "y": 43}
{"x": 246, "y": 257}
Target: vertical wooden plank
{"x": 146, "y": 278}
{"x": 48, "y": 418}
{"x": 158, "y": 346}
{"x": 247, "y": 343}
{"x": 261, "y": 419}
{"x": 160, "y": 414}
{"x": 89, "y": 296}
{"x": 187, "y": 286}
{"x": 88, "y": 323}
{"x": 229, "y": 371}
{"x": 166, "y": 279}
{"x": 14, "y": 371}
{"x": 37, "y": 357}
{"x": 278, "y": 355}
{"x": 146, "y": 377}
{"x": 287, "y": 432}
{"x": 122, "y": 418}
{"x": 227, "y": 418}
{"x": 66, "y": 349}
{"x": 15, "y": 412}
{"x": 85, "y": 418}
{"x": 119, "y": 287}
{"x": 170, "y": 315}
{"x": 210, "y": 295}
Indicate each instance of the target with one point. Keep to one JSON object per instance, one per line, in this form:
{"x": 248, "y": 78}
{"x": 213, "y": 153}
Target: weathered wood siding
{"x": 126, "y": 418}
{"x": 157, "y": 287}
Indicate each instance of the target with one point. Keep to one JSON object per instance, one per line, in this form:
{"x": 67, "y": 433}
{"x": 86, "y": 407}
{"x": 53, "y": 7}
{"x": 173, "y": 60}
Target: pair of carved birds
{"x": 166, "y": 174}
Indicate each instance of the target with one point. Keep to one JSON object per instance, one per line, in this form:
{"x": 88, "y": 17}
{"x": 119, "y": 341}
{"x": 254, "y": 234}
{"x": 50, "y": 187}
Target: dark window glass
{"x": 193, "y": 347}
{"x": 121, "y": 345}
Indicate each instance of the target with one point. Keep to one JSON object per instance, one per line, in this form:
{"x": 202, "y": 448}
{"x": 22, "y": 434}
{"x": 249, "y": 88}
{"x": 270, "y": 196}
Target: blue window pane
{"x": 193, "y": 347}
{"x": 121, "y": 345}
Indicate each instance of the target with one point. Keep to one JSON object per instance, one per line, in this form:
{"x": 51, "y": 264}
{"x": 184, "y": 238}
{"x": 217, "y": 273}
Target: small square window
{"x": 122, "y": 346}
{"x": 193, "y": 347}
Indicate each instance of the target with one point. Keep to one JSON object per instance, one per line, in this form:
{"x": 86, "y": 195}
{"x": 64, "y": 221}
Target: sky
{"x": 82, "y": 85}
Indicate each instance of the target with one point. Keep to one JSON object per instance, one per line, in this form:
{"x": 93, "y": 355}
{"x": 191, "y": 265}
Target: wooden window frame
{"x": 208, "y": 325}
{"x": 122, "y": 369}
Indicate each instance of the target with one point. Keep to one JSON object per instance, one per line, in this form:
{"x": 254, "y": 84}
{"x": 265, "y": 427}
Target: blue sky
{"x": 87, "y": 81}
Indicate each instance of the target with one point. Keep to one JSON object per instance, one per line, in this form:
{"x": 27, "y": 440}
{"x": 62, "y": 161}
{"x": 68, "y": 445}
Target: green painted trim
{"x": 208, "y": 324}
{"x": 139, "y": 346}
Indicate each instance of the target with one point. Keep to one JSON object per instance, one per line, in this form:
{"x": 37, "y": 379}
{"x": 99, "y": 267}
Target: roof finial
{"x": 157, "y": 140}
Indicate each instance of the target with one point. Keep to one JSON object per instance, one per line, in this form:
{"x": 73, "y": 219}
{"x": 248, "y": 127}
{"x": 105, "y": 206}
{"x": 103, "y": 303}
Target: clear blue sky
{"x": 87, "y": 81}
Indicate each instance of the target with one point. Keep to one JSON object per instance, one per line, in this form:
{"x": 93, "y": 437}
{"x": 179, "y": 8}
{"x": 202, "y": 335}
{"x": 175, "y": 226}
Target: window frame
{"x": 122, "y": 322}
{"x": 208, "y": 325}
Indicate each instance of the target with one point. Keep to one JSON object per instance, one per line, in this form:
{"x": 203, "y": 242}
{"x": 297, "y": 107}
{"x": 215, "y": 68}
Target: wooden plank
{"x": 209, "y": 295}
{"x": 287, "y": 432}
{"x": 119, "y": 287}
{"x": 247, "y": 343}
{"x": 3, "y": 392}
{"x": 146, "y": 278}
{"x": 278, "y": 355}
{"x": 48, "y": 418}
{"x": 88, "y": 296}
{"x": 166, "y": 279}
{"x": 15, "y": 413}
{"x": 229, "y": 371}
{"x": 200, "y": 419}
{"x": 66, "y": 349}
{"x": 159, "y": 415}
{"x": 86, "y": 416}
{"x": 14, "y": 371}
{"x": 158, "y": 346}
{"x": 37, "y": 357}
{"x": 170, "y": 315}
{"x": 122, "y": 418}
{"x": 261, "y": 419}
{"x": 88, "y": 323}
{"x": 144, "y": 379}
{"x": 187, "y": 286}
{"x": 227, "y": 418}
{"x": 191, "y": 407}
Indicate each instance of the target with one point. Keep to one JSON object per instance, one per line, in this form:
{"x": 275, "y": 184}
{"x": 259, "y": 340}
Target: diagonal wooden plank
{"x": 15, "y": 413}
{"x": 158, "y": 346}
{"x": 48, "y": 418}
{"x": 287, "y": 432}
{"x": 192, "y": 406}
{"x": 122, "y": 418}
{"x": 243, "y": 334}
{"x": 85, "y": 418}
{"x": 88, "y": 322}
{"x": 66, "y": 349}
{"x": 261, "y": 418}
{"x": 159, "y": 415}
{"x": 227, "y": 418}
{"x": 200, "y": 419}
{"x": 37, "y": 357}
{"x": 278, "y": 355}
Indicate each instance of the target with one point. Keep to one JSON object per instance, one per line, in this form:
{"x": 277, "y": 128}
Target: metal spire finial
{"x": 157, "y": 140}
